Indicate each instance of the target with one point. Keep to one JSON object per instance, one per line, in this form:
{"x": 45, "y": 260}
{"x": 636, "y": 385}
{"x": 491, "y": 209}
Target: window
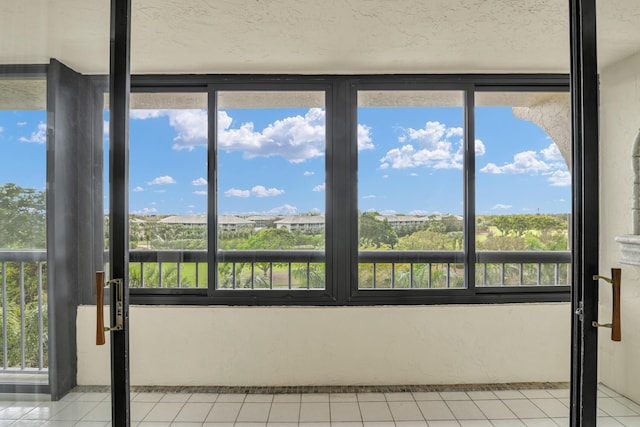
{"x": 523, "y": 189}
{"x": 349, "y": 190}
{"x": 168, "y": 190}
{"x": 23, "y": 250}
{"x": 410, "y": 189}
{"x": 270, "y": 190}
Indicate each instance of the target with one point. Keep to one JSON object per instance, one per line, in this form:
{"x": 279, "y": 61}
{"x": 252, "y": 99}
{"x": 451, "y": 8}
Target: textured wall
{"x": 619, "y": 121}
{"x": 336, "y": 345}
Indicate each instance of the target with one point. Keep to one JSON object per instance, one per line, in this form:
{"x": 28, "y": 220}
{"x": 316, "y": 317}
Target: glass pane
{"x": 271, "y": 190}
{"x": 410, "y": 188}
{"x": 168, "y": 190}
{"x": 23, "y": 254}
{"x": 523, "y": 188}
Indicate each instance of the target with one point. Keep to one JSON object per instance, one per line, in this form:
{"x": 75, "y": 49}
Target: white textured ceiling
{"x": 315, "y": 36}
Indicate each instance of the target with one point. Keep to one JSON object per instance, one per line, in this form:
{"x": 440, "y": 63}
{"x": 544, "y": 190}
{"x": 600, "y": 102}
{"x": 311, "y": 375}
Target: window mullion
{"x": 212, "y": 189}
{"x": 469, "y": 165}
{"x": 342, "y": 251}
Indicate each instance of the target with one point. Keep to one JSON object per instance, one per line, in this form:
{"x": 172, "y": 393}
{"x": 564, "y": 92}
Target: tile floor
{"x": 503, "y": 408}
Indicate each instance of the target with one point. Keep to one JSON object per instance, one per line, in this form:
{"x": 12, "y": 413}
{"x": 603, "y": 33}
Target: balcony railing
{"x": 23, "y": 278}
{"x": 377, "y": 269}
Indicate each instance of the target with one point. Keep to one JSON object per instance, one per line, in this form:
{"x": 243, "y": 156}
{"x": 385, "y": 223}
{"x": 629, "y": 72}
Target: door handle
{"x": 100, "y": 308}
{"x": 615, "y": 280}
{"x": 118, "y": 291}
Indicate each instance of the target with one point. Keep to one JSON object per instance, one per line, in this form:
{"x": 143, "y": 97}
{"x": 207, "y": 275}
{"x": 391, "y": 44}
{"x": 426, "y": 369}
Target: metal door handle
{"x": 100, "y": 308}
{"x": 118, "y": 291}
{"x": 615, "y": 280}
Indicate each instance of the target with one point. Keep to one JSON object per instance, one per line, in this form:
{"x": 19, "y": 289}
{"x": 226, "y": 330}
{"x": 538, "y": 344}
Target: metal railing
{"x": 236, "y": 269}
{"x": 445, "y": 270}
{"x": 24, "y": 296}
{"x": 269, "y": 269}
{"x": 24, "y": 311}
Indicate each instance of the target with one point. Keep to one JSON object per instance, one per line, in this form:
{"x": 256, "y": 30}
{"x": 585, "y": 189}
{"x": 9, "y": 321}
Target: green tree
{"x": 22, "y": 217}
{"x": 374, "y": 232}
{"x": 271, "y": 238}
{"x": 427, "y": 240}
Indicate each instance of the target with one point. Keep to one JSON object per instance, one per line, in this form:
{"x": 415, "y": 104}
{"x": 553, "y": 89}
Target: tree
{"x": 22, "y": 217}
{"x": 272, "y": 238}
{"x": 375, "y": 232}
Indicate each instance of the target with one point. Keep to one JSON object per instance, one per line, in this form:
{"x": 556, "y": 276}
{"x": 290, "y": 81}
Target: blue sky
{"x": 271, "y": 161}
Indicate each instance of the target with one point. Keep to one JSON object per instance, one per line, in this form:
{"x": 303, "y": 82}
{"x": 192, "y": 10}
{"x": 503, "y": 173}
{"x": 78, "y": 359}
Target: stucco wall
{"x": 619, "y": 365}
{"x": 336, "y": 345}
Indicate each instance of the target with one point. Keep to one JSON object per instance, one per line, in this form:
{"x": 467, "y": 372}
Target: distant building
{"x": 305, "y": 224}
{"x": 398, "y": 221}
{"x": 225, "y": 222}
{"x": 262, "y": 221}
{"x": 234, "y": 223}
{"x": 185, "y": 219}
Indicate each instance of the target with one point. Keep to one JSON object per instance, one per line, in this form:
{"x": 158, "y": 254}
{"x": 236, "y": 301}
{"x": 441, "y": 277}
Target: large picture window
{"x": 410, "y": 189}
{"x": 523, "y": 189}
{"x": 270, "y": 190}
{"x": 350, "y": 190}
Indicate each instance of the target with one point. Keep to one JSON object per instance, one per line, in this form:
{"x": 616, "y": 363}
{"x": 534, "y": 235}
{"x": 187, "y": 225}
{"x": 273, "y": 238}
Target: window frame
{"x": 341, "y": 201}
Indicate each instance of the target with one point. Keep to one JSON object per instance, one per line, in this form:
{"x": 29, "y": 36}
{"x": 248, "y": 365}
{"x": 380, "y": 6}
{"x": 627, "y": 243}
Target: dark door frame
{"x": 584, "y": 93}
{"x": 119, "y": 88}
{"x": 584, "y": 101}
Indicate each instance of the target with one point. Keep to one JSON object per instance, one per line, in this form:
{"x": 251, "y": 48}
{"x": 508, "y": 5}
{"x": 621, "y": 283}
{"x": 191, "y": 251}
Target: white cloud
{"x": 413, "y": 174}
{"x": 261, "y": 191}
{"x": 138, "y": 189}
{"x": 146, "y": 114}
{"x": 295, "y": 138}
{"x": 234, "y": 192}
{"x": 552, "y": 153}
{"x": 319, "y": 188}
{"x": 191, "y": 126}
{"x": 283, "y": 210}
{"x": 201, "y": 193}
{"x": 560, "y": 178}
{"x": 434, "y": 146}
{"x": 551, "y": 165}
{"x": 419, "y": 213}
{"x": 365, "y": 141}
{"x": 21, "y": 124}
{"x": 479, "y": 148}
{"x": 162, "y": 180}
{"x": 501, "y": 206}
{"x": 308, "y": 173}
{"x": 199, "y": 182}
{"x": 524, "y": 162}
{"x": 371, "y": 196}
{"x": 37, "y": 137}
{"x": 1, "y": 129}
{"x": 146, "y": 211}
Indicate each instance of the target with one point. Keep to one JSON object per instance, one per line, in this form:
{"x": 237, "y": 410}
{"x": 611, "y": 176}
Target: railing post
{"x": 5, "y": 352}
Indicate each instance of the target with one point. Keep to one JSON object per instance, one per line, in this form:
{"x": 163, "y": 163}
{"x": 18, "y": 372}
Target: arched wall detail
{"x": 553, "y": 115}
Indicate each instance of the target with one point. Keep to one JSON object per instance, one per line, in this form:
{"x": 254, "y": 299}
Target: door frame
{"x": 119, "y": 90}
{"x": 585, "y": 235}
{"x": 584, "y": 95}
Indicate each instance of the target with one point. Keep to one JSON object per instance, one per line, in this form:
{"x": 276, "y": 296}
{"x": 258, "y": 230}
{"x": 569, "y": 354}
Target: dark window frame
{"x": 341, "y": 229}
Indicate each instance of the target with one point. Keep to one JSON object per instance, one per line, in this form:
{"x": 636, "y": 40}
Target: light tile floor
{"x": 508, "y": 408}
